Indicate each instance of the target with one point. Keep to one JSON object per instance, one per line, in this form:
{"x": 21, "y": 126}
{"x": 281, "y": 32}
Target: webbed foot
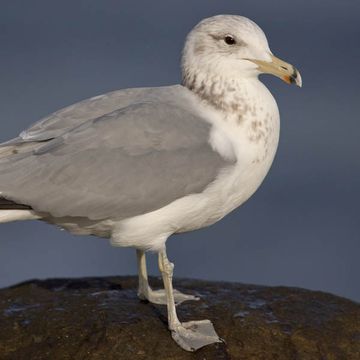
{"x": 159, "y": 297}
{"x": 193, "y": 335}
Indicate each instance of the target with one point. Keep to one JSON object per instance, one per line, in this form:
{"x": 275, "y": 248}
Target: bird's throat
{"x": 221, "y": 92}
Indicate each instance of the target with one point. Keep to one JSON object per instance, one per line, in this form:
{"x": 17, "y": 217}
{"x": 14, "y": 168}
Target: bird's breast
{"x": 250, "y": 138}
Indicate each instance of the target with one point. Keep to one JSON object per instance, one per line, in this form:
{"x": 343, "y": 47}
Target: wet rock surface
{"x": 102, "y": 318}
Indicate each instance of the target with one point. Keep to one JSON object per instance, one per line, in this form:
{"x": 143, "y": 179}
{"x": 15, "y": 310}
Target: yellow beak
{"x": 281, "y": 69}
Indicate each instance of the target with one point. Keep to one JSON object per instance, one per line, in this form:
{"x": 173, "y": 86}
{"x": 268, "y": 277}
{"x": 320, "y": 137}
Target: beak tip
{"x": 295, "y": 78}
{"x": 298, "y": 79}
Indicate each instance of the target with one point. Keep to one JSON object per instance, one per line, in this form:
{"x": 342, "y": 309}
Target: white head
{"x": 231, "y": 47}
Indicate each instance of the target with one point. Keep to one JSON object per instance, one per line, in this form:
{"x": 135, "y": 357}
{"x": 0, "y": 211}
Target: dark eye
{"x": 229, "y": 40}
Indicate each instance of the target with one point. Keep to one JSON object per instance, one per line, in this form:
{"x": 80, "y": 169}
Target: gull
{"x": 139, "y": 165}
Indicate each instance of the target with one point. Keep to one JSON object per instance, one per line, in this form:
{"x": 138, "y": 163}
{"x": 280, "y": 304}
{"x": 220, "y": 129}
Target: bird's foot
{"x": 159, "y": 297}
{"x": 193, "y": 335}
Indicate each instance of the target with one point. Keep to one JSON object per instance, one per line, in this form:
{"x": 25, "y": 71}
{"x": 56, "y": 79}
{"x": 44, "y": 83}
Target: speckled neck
{"x": 246, "y": 104}
{"x": 226, "y": 95}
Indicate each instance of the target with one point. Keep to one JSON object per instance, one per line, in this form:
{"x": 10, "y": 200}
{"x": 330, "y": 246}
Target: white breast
{"x": 250, "y": 139}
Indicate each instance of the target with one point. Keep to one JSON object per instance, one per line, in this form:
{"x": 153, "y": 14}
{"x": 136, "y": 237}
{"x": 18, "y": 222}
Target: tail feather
{"x": 6, "y": 204}
{"x": 17, "y": 215}
{"x": 12, "y": 211}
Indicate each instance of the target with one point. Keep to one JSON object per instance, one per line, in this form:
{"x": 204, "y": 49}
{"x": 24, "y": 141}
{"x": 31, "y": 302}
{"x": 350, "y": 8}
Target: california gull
{"x": 139, "y": 165}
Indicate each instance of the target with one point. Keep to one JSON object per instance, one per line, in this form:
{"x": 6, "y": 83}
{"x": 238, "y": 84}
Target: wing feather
{"x": 127, "y": 162}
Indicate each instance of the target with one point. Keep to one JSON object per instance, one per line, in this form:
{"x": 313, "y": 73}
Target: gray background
{"x": 302, "y": 226}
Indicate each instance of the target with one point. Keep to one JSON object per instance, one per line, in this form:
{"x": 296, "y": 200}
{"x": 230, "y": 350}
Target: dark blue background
{"x": 302, "y": 226}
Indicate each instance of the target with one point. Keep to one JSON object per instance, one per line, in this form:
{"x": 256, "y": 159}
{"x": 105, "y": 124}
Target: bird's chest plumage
{"x": 249, "y": 137}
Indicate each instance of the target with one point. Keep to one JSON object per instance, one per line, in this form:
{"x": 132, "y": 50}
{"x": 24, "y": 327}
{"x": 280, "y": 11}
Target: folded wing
{"x": 127, "y": 162}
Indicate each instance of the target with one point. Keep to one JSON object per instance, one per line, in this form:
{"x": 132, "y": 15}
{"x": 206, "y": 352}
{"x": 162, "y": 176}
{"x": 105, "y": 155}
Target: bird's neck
{"x": 245, "y": 110}
{"x": 223, "y": 92}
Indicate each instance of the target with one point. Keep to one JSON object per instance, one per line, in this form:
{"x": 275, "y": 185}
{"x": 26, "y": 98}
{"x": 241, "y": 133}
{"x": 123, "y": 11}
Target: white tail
{"x": 17, "y": 215}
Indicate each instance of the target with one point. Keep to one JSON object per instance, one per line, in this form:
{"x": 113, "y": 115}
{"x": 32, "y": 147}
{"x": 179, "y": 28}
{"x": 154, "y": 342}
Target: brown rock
{"x": 101, "y": 318}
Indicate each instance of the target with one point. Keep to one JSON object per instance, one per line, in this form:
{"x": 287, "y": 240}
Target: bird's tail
{"x": 6, "y": 204}
{"x": 12, "y": 211}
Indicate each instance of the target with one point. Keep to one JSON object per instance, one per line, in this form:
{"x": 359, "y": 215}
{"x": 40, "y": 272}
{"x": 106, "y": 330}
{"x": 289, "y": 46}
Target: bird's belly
{"x": 237, "y": 183}
{"x": 230, "y": 190}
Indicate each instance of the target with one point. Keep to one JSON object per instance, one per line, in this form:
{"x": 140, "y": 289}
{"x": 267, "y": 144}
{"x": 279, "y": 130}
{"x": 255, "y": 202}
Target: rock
{"x": 101, "y": 318}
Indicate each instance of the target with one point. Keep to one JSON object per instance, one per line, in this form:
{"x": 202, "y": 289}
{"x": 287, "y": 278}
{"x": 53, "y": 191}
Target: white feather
{"x": 17, "y": 215}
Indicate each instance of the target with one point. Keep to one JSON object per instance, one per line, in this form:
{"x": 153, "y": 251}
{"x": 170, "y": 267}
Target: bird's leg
{"x": 143, "y": 288}
{"x": 190, "y": 335}
{"x": 145, "y": 292}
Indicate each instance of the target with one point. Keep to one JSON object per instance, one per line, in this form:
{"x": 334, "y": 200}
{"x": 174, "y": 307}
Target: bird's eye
{"x": 229, "y": 40}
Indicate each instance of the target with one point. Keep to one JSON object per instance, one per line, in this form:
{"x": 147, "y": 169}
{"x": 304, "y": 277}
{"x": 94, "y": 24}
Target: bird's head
{"x": 234, "y": 47}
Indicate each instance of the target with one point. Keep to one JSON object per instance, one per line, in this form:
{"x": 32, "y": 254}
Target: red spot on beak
{"x": 287, "y": 79}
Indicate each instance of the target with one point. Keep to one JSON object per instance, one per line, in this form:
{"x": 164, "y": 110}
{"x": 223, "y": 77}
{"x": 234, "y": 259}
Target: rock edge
{"x": 102, "y": 318}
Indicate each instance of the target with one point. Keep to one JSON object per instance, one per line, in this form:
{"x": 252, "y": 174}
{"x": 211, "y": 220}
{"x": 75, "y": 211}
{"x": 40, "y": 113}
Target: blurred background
{"x": 301, "y": 228}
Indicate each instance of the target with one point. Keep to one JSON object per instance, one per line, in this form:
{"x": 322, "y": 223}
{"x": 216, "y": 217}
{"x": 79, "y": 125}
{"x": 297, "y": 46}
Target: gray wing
{"x": 128, "y": 162}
